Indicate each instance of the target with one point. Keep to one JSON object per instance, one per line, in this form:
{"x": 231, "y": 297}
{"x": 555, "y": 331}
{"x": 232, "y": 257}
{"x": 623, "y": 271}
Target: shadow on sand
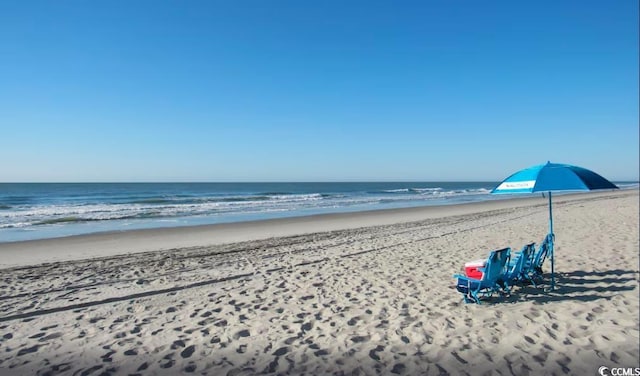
{"x": 578, "y": 286}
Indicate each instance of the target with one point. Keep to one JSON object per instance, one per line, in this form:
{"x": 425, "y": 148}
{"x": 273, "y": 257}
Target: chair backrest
{"x": 522, "y": 261}
{"x": 518, "y": 264}
{"x": 496, "y": 264}
{"x": 529, "y": 253}
{"x": 543, "y": 251}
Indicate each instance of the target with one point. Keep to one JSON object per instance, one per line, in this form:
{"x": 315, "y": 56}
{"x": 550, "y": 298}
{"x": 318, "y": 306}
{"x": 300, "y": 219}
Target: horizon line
{"x": 271, "y": 181}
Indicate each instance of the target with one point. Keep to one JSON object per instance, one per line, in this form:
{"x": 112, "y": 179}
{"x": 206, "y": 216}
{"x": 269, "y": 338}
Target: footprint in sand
{"x": 206, "y": 321}
{"x": 177, "y": 344}
{"x": 28, "y": 350}
{"x": 398, "y": 369}
{"x": 281, "y": 351}
{"x": 273, "y": 366}
{"x": 91, "y": 370}
{"x": 306, "y": 327}
{"x": 458, "y": 357}
{"x": 551, "y": 334}
{"x": 428, "y": 338}
{"x": 575, "y": 335}
{"x": 241, "y": 334}
{"x": 373, "y": 354}
{"x": 564, "y": 362}
{"x": 51, "y": 336}
{"x": 360, "y": 339}
{"x": 541, "y": 358}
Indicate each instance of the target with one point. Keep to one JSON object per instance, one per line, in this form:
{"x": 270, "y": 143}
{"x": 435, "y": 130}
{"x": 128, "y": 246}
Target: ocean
{"x": 46, "y": 210}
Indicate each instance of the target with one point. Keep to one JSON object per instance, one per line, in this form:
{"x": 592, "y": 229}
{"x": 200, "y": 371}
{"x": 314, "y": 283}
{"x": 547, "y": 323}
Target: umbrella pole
{"x": 553, "y": 278}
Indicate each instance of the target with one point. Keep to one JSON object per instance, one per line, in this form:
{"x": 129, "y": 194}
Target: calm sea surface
{"x": 45, "y": 210}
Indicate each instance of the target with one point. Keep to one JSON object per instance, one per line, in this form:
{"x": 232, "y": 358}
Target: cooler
{"x": 471, "y": 268}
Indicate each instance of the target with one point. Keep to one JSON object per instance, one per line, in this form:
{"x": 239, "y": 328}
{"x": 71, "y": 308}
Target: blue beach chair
{"x": 492, "y": 278}
{"x": 534, "y": 269}
{"x": 518, "y": 267}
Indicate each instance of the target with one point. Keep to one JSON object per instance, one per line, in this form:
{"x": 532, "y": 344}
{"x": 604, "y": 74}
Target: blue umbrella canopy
{"x": 552, "y": 177}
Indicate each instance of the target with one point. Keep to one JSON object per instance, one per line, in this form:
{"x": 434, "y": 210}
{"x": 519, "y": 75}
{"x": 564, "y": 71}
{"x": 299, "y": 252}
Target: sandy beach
{"x": 355, "y": 294}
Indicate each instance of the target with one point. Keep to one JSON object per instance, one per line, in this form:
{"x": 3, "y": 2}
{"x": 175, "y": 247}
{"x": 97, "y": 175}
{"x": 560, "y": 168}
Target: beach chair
{"x": 534, "y": 270}
{"x": 492, "y": 278}
{"x": 518, "y": 267}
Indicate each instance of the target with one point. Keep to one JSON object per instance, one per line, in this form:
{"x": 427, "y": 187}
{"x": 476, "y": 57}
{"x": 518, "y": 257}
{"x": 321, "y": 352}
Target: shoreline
{"x": 112, "y": 243}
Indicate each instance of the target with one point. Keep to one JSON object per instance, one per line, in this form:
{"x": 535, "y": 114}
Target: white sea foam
{"x": 57, "y": 214}
{"x": 165, "y": 207}
{"x": 16, "y": 225}
{"x": 438, "y": 192}
{"x": 436, "y": 189}
{"x": 56, "y": 210}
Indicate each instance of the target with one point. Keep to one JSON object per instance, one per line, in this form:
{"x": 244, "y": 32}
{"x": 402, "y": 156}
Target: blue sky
{"x": 315, "y": 90}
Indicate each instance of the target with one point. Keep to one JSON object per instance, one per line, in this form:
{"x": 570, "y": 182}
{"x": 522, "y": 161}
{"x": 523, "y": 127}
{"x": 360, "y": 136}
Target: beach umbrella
{"x": 552, "y": 177}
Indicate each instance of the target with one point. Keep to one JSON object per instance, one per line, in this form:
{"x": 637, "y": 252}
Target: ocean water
{"x": 45, "y": 210}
